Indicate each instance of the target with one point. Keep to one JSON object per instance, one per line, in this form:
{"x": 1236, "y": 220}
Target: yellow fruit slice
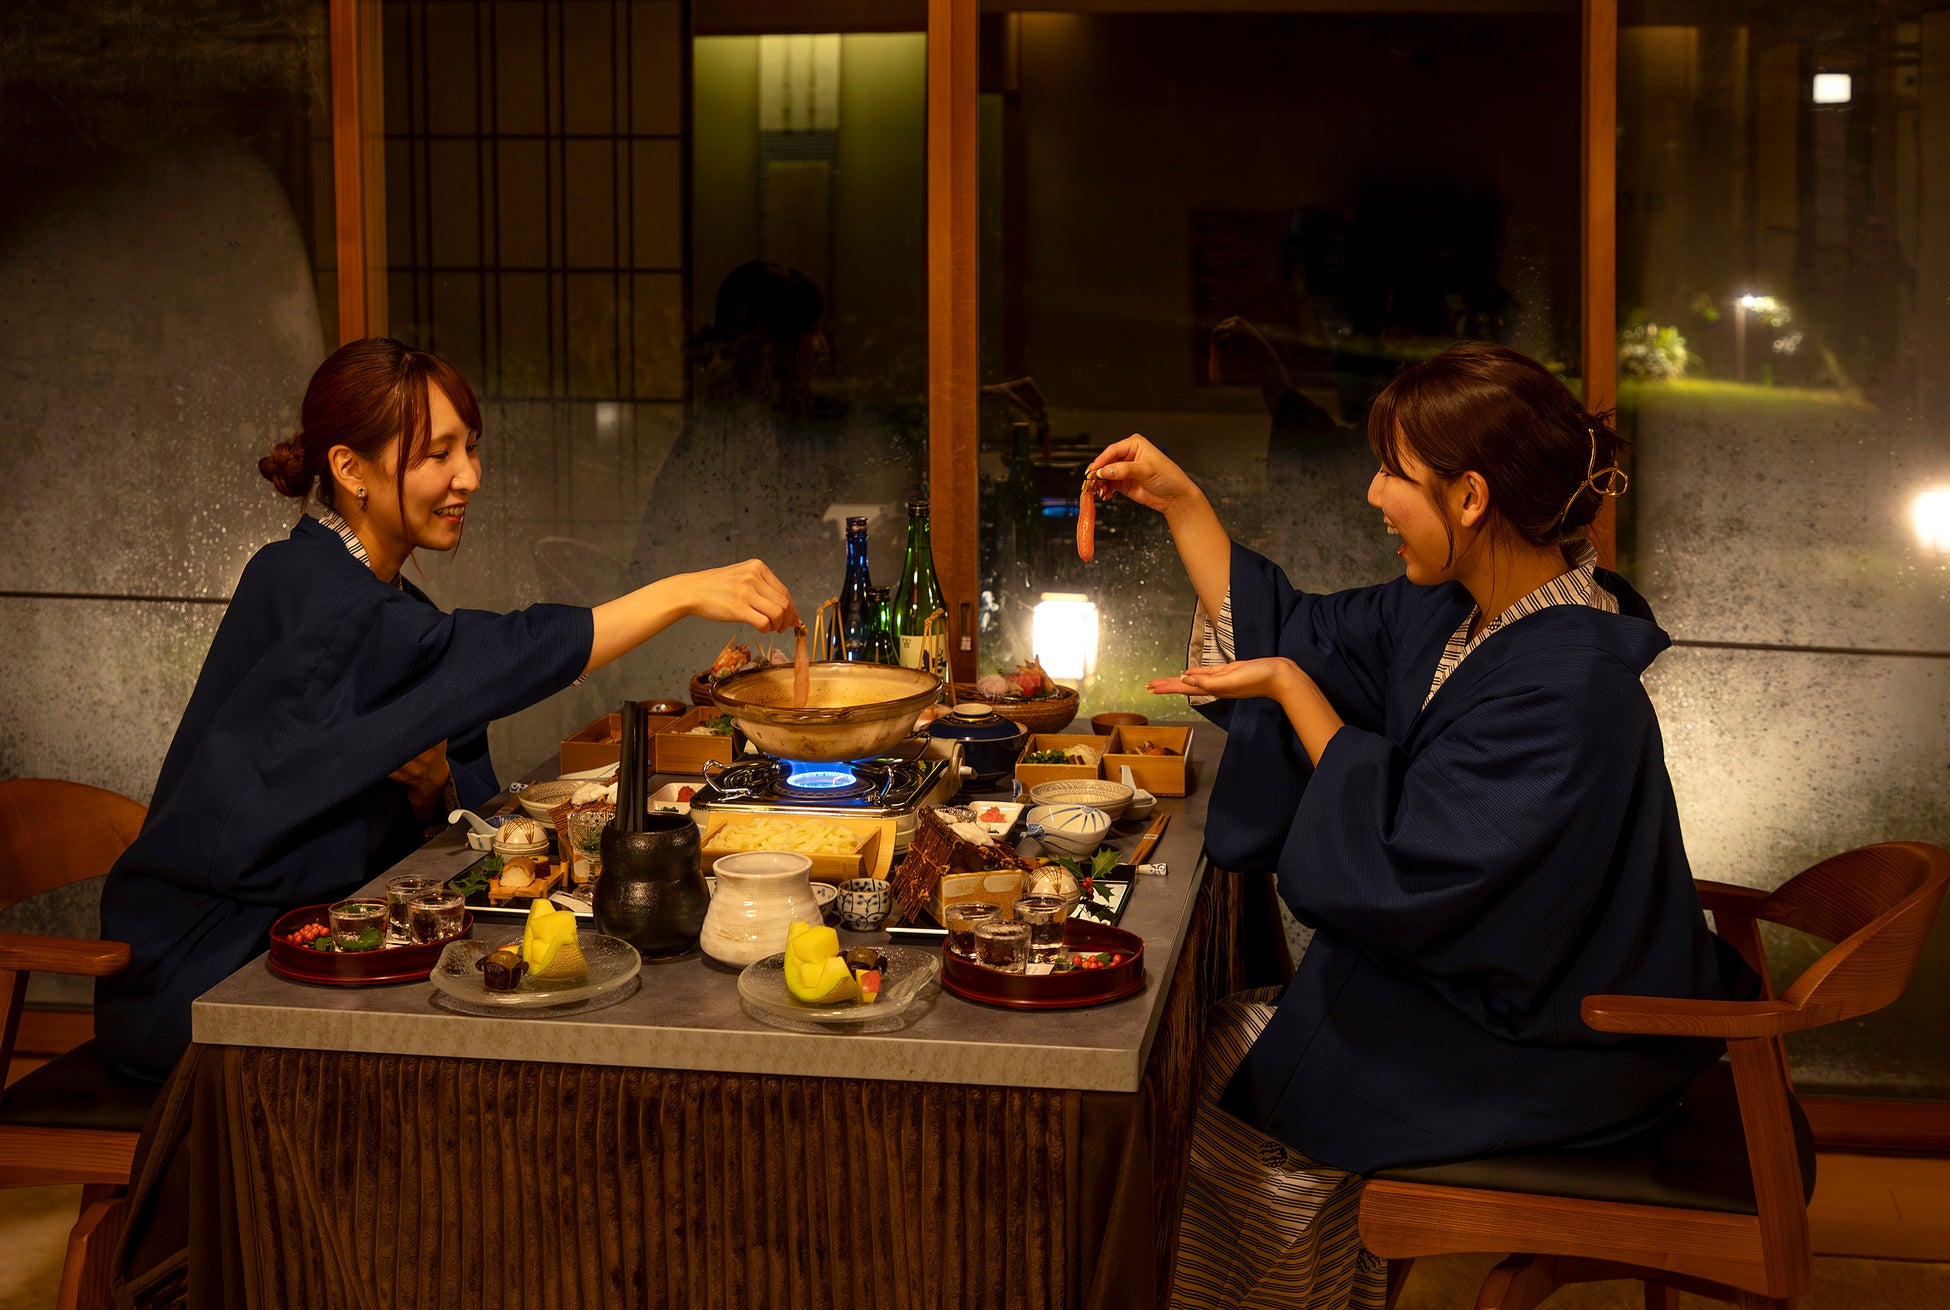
{"x": 537, "y": 912}
{"x": 562, "y": 961}
{"x": 814, "y": 971}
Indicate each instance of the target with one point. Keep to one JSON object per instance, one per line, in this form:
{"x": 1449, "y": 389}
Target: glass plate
{"x": 908, "y": 976}
{"x": 612, "y": 962}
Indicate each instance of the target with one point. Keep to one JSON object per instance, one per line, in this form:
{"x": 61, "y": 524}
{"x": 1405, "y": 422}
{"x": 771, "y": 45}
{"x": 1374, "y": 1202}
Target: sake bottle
{"x": 856, "y": 613}
{"x": 917, "y": 598}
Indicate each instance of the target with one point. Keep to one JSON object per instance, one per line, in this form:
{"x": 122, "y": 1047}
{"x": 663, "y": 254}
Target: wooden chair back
{"x": 1877, "y": 905}
{"x": 53, "y": 833}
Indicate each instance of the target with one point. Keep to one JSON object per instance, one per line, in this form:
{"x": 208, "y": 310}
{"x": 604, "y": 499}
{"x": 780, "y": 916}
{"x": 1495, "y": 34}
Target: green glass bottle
{"x": 917, "y": 598}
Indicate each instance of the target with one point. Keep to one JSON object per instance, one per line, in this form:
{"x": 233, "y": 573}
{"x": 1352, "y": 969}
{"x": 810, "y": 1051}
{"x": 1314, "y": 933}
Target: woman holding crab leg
{"x": 1461, "y": 783}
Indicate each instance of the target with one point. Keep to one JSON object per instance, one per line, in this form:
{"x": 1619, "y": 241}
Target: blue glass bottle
{"x": 856, "y": 608}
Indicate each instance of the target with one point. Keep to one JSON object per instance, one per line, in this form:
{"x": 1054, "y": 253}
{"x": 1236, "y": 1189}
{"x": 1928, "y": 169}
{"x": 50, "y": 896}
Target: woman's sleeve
{"x": 1344, "y": 641}
{"x": 1481, "y": 862}
{"x": 467, "y": 756}
{"x": 355, "y": 693}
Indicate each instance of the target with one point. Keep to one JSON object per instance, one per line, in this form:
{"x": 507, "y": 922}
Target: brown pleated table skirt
{"x": 334, "y": 1179}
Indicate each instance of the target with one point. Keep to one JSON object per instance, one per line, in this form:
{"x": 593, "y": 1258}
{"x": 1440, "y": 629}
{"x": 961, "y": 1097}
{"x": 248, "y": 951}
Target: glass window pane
{"x": 1782, "y": 274}
{"x": 1226, "y": 232}
{"x": 167, "y": 284}
{"x": 570, "y": 185}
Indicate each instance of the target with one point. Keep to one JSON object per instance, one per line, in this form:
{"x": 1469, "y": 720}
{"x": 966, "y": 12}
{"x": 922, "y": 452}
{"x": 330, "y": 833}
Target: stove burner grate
{"x": 770, "y": 780}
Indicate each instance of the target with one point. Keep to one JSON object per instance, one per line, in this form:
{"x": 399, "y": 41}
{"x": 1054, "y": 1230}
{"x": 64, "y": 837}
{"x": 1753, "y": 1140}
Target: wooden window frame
{"x": 952, "y": 78}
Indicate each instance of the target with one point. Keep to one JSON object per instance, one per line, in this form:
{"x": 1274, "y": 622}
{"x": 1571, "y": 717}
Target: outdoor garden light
{"x": 1931, "y": 514}
{"x": 1063, "y": 633}
{"x": 1833, "y": 88}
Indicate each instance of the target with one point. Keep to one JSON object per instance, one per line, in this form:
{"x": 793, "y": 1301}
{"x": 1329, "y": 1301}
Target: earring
{"x": 361, "y": 494}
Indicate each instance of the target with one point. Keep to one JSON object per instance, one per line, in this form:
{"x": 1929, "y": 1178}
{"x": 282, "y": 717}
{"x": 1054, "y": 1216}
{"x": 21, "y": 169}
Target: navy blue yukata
{"x": 321, "y": 681}
{"x": 1473, "y": 871}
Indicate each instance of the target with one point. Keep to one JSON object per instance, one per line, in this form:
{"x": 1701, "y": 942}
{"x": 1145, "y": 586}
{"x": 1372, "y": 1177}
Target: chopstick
{"x": 1150, "y": 838}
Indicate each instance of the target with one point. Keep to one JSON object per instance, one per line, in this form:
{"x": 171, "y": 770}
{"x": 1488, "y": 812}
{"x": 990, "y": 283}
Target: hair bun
{"x": 285, "y": 468}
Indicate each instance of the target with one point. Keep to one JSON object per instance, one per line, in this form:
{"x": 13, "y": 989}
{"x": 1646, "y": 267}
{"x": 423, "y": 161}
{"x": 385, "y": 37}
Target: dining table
{"x": 670, "y": 1144}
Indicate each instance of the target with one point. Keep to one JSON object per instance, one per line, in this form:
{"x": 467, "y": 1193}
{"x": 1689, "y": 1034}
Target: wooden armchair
{"x": 1713, "y": 1201}
{"x": 73, "y": 1120}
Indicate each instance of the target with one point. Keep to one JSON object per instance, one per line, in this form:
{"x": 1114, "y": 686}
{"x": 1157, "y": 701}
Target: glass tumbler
{"x": 1045, "y": 914}
{"x": 585, "y": 842}
{"x": 358, "y": 925}
{"x": 1002, "y": 944}
{"x": 399, "y": 890}
{"x": 961, "y": 920}
{"x": 434, "y": 916}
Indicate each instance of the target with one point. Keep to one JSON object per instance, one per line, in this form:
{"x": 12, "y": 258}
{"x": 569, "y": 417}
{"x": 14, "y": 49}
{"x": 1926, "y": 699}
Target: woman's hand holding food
{"x": 1273, "y": 677}
{"x": 1139, "y": 471}
{"x": 746, "y": 592}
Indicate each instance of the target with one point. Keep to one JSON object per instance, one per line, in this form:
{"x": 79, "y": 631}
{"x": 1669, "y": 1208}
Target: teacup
{"x": 864, "y": 902}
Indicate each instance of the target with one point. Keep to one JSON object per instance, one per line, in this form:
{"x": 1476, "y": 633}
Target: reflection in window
{"x": 1782, "y": 276}
{"x": 1227, "y": 232}
{"x": 686, "y": 270}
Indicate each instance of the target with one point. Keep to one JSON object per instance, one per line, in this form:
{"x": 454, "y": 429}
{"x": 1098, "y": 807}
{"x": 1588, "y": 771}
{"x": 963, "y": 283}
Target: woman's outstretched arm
{"x": 1140, "y": 471}
{"x": 737, "y": 593}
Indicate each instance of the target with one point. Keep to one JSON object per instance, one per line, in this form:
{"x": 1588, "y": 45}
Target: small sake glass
{"x": 1002, "y": 944}
{"x": 358, "y": 925}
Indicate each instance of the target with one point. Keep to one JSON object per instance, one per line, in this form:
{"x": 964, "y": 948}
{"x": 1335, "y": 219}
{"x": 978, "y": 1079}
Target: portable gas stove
{"x": 865, "y": 789}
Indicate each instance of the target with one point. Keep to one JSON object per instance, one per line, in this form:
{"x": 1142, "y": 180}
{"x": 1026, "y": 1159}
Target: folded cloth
{"x": 1264, "y": 1228}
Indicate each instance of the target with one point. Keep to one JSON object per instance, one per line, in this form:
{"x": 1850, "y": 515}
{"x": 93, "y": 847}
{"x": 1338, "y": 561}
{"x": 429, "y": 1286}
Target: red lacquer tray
{"x": 390, "y": 964}
{"x": 1054, "y": 991}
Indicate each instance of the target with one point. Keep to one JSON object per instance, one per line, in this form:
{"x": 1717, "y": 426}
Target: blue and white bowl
{"x": 1074, "y": 830}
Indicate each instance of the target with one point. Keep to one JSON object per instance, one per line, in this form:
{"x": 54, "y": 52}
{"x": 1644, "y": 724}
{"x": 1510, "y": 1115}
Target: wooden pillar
{"x": 1599, "y": 280}
{"x": 952, "y": 438}
{"x": 359, "y": 166}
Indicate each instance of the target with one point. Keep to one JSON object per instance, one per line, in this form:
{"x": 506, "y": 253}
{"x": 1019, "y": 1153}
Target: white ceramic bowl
{"x": 1098, "y": 793}
{"x": 1075, "y": 830}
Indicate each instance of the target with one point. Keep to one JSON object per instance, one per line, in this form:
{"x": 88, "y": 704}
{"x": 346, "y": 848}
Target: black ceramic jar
{"x": 990, "y": 744}
{"x": 650, "y": 892}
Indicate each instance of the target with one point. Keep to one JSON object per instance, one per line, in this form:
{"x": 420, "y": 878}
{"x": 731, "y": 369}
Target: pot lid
{"x": 974, "y": 721}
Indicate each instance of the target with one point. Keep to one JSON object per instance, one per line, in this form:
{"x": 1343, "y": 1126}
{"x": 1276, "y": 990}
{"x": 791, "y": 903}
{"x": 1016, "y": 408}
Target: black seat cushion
{"x": 1696, "y": 1159}
{"x": 78, "y": 1090}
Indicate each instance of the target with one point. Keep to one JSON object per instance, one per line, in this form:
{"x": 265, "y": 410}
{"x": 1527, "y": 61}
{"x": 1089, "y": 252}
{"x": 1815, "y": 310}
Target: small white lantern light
{"x": 1931, "y": 514}
{"x": 1063, "y": 629}
{"x": 1833, "y": 88}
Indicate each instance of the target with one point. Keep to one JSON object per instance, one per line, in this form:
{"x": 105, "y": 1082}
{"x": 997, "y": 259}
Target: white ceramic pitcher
{"x": 759, "y": 894}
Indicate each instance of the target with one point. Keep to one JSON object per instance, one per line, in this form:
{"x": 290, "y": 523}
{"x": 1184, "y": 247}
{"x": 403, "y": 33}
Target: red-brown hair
{"x": 1483, "y": 407}
{"x": 367, "y": 394}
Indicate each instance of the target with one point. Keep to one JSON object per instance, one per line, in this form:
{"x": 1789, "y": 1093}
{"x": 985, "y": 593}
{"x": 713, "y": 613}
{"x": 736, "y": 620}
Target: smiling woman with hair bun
{"x": 1461, "y": 784}
{"x": 339, "y": 711}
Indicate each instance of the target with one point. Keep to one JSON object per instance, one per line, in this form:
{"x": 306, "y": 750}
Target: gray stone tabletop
{"x": 687, "y": 1014}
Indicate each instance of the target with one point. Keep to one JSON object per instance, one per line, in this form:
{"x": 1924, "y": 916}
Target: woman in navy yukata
{"x": 339, "y": 713}
{"x": 1461, "y": 784}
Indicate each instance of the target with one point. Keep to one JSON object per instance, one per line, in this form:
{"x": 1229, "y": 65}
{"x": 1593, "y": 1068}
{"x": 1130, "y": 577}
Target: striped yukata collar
{"x": 331, "y": 519}
{"x": 1579, "y": 586}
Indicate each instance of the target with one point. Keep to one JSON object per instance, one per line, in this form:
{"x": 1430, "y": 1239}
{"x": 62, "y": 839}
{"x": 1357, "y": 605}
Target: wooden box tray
{"x": 679, "y": 750}
{"x": 1054, "y": 991}
{"x": 1161, "y": 775}
{"x": 1031, "y": 774}
{"x": 389, "y": 964}
{"x": 868, "y": 859}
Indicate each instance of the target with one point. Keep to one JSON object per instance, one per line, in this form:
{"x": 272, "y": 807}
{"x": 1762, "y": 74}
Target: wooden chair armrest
{"x": 1681, "y": 1016}
{"x": 25, "y": 953}
{"x": 1730, "y": 898}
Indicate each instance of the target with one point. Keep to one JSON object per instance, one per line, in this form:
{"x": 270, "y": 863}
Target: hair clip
{"x": 1610, "y": 481}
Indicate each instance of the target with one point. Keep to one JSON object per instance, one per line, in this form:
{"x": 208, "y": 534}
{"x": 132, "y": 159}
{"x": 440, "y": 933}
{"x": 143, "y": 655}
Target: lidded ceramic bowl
{"x": 990, "y": 744}
{"x": 519, "y": 836}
